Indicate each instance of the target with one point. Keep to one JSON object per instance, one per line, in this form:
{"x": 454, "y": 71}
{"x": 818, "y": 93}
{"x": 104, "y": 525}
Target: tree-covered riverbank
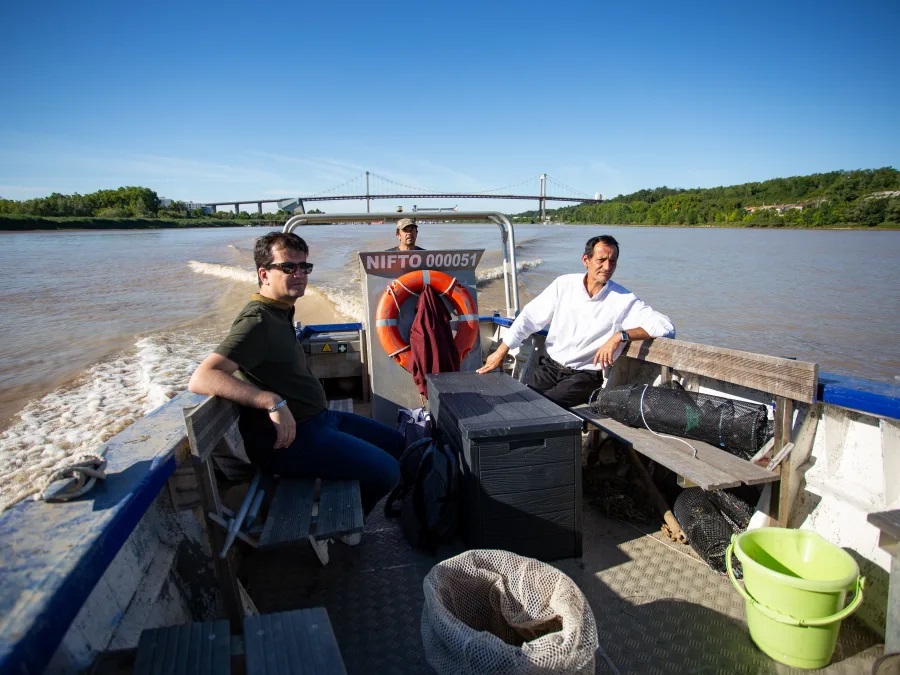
{"x": 26, "y": 223}
{"x": 840, "y": 199}
{"x": 865, "y": 198}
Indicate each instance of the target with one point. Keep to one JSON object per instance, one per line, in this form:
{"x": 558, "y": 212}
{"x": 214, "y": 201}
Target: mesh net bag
{"x": 489, "y": 611}
{"x": 739, "y": 427}
{"x": 708, "y": 520}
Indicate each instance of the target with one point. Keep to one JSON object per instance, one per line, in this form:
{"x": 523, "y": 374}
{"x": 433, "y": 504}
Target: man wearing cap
{"x": 407, "y": 231}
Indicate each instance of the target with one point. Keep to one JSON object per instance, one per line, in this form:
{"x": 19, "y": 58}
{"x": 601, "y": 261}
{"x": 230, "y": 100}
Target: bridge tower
{"x": 543, "y": 200}
{"x": 368, "y": 210}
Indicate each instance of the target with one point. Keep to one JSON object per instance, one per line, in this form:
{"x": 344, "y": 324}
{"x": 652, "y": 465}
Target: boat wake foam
{"x": 103, "y": 401}
{"x": 223, "y": 271}
{"x": 492, "y": 273}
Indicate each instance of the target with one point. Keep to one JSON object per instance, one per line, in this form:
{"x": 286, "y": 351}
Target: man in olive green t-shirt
{"x": 285, "y": 422}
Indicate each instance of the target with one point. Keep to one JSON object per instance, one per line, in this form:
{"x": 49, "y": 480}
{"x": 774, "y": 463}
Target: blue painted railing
{"x": 54, "y": 554}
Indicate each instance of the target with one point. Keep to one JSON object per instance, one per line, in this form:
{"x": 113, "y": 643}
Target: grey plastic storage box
{"x": 521, "y": 463}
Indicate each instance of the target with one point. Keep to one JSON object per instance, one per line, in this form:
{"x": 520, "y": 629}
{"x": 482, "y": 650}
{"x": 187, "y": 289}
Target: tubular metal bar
{"x": 507, "y": 237}
{"x": 234, "y": 525}
{"x": 510, "y": 277}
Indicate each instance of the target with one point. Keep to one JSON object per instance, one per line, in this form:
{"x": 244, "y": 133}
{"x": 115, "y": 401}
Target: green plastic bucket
{"x": 795, "y": 587}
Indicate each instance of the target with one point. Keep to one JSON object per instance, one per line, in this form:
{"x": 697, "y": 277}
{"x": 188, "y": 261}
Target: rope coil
{"x": 83, "y": 472}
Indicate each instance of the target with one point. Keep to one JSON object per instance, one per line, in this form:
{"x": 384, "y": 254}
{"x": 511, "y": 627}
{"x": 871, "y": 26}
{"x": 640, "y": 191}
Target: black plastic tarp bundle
{"x": 708, "y": 520}
{"x": 739, "y": 427}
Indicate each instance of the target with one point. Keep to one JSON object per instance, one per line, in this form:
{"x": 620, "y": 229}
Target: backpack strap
{"x": 425, "y": 537}
{"x": 409, "y": 466}
{"x": 391, "y": 505}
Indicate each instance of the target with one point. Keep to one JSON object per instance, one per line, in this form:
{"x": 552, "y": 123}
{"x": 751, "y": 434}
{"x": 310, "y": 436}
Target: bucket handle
{"x": 774, "y": 614}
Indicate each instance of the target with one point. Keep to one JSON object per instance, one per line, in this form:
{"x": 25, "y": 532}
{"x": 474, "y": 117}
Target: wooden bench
{"x": 888, "y": 524}
{"x": 310, "y": 510}
{"x": 283, "y": 643}
{"x": 747, "y": 375}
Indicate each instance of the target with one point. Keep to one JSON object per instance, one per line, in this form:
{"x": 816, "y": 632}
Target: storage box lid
{"x": 495, "y": 405}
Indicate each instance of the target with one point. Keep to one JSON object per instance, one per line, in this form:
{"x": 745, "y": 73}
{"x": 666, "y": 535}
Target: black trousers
{"x": 564, "y": 386}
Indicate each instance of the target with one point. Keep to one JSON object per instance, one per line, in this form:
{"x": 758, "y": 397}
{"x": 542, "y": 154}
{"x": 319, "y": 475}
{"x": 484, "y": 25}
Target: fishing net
{"x": 489, "y": 611}
{"x": 708, "y": 520}
{"x": 738, "y": 427}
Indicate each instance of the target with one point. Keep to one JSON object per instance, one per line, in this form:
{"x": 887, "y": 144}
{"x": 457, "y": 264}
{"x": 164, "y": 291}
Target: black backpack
{"x": 427, "y": 497}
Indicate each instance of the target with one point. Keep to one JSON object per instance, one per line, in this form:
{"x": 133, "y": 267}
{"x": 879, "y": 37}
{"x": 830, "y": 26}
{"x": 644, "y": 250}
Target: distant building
{"x": 781, "y": 208}
{"x": 165, "y": 202}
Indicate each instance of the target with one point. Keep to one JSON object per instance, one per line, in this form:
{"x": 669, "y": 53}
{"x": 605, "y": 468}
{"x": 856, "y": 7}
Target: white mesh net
{"x": 497, "y": 612}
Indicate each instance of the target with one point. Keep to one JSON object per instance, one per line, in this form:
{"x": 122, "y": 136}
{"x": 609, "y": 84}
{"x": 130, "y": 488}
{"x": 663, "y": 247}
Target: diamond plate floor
{"x": 659, "y": 608}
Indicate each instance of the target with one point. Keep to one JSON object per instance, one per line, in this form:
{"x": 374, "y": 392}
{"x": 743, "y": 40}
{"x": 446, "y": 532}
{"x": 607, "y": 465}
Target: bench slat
{"x": 713, "y": 469}
{"x": 792, "y": 379}
{"x": 342, "y": 404}
{"x": 290, "y": 514}
{"x": 294, "y": 643}
{"x": 340, "y": 509}
{"x": 887, "y": 521}
{"x": 188, "y": 649}
{"x": 207, "y": 424}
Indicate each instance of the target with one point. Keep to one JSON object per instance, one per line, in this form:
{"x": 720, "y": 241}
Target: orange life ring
{"x": 412, "y": 283}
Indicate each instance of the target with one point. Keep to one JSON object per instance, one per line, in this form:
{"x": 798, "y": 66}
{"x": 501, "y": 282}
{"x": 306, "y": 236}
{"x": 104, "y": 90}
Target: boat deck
{"x": 659, "y": 608}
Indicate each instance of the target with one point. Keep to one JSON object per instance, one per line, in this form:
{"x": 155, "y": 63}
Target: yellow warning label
{"x": 326, "y": 347}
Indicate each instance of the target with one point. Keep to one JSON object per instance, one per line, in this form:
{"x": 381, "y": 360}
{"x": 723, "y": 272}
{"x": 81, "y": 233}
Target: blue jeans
{"x": 342, "y": 446}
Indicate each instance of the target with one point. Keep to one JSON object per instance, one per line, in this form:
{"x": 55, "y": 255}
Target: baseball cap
{"x": 403, "y": 223}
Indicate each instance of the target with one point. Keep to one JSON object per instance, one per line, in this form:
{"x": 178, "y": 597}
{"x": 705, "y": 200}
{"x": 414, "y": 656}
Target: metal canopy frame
{"x": 507, "y": 236}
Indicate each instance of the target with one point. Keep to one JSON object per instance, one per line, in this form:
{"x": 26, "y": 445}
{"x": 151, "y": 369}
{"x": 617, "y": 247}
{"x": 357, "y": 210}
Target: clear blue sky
{"x": 237, "y": 100}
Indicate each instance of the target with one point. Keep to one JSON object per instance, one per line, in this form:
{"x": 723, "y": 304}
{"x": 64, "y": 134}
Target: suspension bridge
{"x": 370, "y": 186}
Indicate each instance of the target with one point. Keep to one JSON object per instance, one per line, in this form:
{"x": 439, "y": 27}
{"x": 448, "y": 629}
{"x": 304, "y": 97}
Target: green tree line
{"x": 124, "y": 202}
{"x": 840, "y": 198}
{"x": 860, "y": 198}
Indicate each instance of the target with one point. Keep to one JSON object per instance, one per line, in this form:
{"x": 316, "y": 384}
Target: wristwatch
{"x": 277, "y": 406}
{"x": 624, "y": 335}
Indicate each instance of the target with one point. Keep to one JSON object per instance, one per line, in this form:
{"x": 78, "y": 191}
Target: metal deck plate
{"x": 659, "y": 608}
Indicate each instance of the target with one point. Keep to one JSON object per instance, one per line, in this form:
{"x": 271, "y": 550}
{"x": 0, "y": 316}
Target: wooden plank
{"x": 797, "y": 380}
{"x": 887, "y": 521}
{"x": 741, "y": 469}
{"x": 340, "y": 509}
{"x": 665, "y": 451}
{"x": 784, "y": 417}
{"x": 183, "y": 488}
{"x": 290, "y": 514}
{"x": 225, "y": 568}
{"x": 341, "y": 404}
{"x": 292, "y": 643}
{"x": 188, "y": 649}
{"x": 207, "y": 424}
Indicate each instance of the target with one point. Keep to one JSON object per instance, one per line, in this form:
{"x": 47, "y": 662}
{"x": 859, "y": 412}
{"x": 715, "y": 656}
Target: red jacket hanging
{"x": 431, "y": 340}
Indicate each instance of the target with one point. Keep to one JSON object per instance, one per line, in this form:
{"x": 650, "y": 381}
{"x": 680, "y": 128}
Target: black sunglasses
{"x": 291, "y": 268}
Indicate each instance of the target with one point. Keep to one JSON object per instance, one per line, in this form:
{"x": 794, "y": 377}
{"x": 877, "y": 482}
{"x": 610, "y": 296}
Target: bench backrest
{"x": 210, "y": 423}
{"x": 796, "y": 380}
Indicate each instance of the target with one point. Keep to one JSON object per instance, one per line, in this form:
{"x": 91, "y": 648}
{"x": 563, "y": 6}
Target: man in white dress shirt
{"x": 591, "y": 318}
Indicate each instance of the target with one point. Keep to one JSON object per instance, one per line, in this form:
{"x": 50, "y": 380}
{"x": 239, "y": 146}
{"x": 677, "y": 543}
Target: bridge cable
{"x": 507, "y": 187}
{"x": 324, "y": 192}
{"x": 572, "y": 191}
